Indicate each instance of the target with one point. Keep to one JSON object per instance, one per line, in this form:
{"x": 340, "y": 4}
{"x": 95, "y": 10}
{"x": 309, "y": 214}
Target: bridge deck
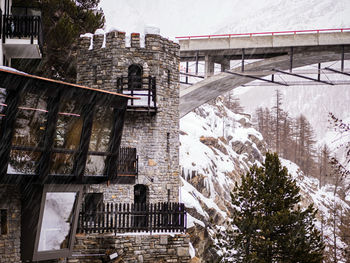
{"x": 273, "y": 43}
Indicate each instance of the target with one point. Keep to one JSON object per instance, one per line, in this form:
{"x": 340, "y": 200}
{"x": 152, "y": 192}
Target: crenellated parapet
{"x": 117, "y": 39}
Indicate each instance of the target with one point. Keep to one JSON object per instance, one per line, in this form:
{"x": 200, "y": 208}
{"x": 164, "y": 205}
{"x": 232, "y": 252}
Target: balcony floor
{"x": 21, "y": 48}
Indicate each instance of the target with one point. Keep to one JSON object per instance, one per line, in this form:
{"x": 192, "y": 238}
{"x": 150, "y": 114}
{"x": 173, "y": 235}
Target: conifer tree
{"x": 268, "y": 224}
{"x": 62, "y": 21}
{"x": 277, "y": 110}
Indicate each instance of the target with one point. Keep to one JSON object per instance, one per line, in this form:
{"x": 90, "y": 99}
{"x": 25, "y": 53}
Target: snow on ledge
{"x": 100, "y": 31}
{"x": 12, "y": 69}
{"x": 192, "y": 250}
{"x": 91, "y": 36}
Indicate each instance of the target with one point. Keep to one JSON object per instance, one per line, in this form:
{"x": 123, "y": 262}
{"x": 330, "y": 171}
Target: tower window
{"x": 135, "y": 77}
{"x": 168, "y": 142}
{"x": 169, "y": 78}
{"x": 3, "y": 222}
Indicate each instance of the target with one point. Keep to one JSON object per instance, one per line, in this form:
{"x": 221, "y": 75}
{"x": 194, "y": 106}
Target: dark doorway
{"x": 140, "y": 194}
{"x": 140, "y": 207}
{"x": 93, "y": 203}
{"x": 135, "y": 77}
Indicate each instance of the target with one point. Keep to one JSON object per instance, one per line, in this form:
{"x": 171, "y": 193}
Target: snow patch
{"x": 192, "y": 250}
{"x": 12, "y": 69}
{"x": 100, "y": 31}
{"x": 191, "y": 221}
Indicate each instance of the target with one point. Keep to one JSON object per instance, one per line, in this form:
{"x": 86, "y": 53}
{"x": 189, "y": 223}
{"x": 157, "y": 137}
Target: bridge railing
{"x": 268, "y": 33}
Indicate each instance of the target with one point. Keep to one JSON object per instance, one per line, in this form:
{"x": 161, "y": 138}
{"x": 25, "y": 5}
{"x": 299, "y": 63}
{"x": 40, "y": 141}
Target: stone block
{"x": 163, "y": 240}
{"x": 138, "y": 239}
{"x": 183, "y": 252}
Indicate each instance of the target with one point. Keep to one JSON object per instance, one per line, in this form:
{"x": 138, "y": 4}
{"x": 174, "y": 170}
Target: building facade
{"x": 17, "y": 41}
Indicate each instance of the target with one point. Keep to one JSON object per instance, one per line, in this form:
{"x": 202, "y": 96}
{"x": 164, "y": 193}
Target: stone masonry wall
{"x": 146, "y": 248}
{"x": 10, "y": 243}
{"x": 103, "y": 59}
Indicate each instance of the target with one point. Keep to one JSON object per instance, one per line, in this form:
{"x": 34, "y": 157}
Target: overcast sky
{"x": 198, "y": 17}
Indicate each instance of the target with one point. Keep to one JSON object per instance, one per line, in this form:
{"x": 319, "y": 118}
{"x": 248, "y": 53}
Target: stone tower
{"x": 105, "y": 62}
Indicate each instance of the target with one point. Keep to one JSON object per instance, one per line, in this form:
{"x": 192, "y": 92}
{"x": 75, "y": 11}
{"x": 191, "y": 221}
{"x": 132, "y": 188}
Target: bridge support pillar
{"x": 209, "y": 66}
{"x": 225, "y": 64}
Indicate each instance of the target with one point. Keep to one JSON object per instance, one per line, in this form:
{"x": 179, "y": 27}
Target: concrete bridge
{"x": 279, "y": 52}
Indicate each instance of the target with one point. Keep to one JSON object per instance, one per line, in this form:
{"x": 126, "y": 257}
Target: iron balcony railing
{"x": 125, "y": 218}
{"x": 22, "y": 27}
{"x": 142, "y": 87}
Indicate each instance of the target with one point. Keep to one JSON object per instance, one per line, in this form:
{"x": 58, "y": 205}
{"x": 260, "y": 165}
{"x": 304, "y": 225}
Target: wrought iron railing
{"x": 142, "y": 87}
{"x": 123, "y": 218}
{"x": 22, "y": 27}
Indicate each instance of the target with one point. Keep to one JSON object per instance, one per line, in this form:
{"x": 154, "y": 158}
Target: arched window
{"x": 135, "y": 77}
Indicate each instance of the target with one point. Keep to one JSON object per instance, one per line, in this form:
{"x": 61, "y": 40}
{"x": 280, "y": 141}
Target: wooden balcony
{"x": 140, "y": 87}
{"x": 126, "y": 218}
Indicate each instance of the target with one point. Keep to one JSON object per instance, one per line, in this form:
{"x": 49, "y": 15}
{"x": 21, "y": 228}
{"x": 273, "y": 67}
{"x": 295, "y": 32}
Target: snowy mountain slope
{"x": 314, "y": 102}
{"x": 202, "y": 17}
{"x": 217, "y": 146}
{"x": 262, "y": 16}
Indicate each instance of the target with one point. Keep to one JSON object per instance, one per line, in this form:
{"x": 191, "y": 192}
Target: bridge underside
{"x": 193, "y": 96}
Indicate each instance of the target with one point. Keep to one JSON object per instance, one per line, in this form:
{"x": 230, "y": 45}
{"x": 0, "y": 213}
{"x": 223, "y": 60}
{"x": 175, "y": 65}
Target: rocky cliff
{"x": 217, "y": 146}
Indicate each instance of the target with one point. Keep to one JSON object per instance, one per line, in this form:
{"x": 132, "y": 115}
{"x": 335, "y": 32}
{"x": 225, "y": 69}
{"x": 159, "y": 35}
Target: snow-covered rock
{"x": 217, "y": 146}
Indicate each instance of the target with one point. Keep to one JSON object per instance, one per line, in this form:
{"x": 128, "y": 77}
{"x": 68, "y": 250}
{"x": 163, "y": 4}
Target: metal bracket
{"x": 253, "y": 77}
{"x": 337, "y": 71}
{"x": 301, "y": 76}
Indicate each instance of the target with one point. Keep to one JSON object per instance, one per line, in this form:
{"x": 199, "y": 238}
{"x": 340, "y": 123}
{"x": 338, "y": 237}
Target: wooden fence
{"x": 123, "y": 218}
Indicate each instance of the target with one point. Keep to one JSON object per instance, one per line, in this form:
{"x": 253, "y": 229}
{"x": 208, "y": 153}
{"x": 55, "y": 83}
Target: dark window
{"x": 169, "y": 77}
{"x": 135, "y": 77}
{"x": 168, "y": 142}
{"x": 168, "y": 195}
{"x": 3, "y": 221}
{"x": 140, "y": 194}
{"x": 93, "y": 201}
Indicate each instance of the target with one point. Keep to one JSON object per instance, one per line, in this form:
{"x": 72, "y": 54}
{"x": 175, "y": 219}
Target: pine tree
{"x": 286, "y": 137}
{"x": 63, "y": 21}
{"x": 277, "y": 120}
{"x": 269, "y": 225}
